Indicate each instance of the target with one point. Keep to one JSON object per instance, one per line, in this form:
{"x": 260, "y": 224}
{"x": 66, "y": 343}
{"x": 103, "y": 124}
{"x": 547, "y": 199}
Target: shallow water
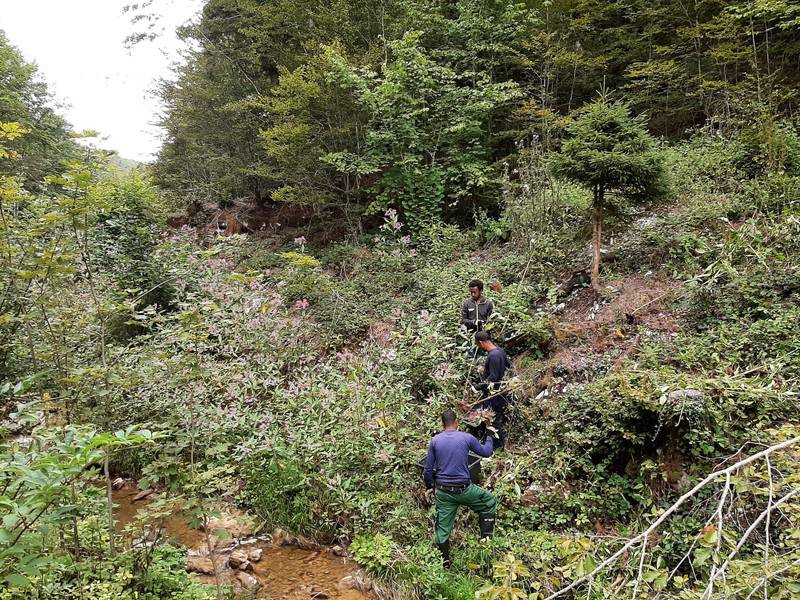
{"x": 175, "y": 525}
{"x": 284, "y": 572}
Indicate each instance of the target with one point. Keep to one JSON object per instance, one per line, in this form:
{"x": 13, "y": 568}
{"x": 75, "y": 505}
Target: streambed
{"x": 283, "y": 572}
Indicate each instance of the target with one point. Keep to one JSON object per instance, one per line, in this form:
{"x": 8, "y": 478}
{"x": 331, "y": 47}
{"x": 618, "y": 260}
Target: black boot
{"x": 487, "y": 527}
{"x": 444, "y": 548}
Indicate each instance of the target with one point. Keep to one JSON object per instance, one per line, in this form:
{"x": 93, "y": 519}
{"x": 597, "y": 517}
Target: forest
{"x": 257, "y": 333}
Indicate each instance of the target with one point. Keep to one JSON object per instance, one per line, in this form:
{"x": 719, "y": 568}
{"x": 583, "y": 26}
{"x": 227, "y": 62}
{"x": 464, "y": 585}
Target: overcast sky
{"x": 78, "y": 46}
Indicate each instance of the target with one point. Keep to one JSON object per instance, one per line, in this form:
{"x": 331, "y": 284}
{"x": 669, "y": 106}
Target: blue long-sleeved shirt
{"x": 496, "y": 365}
{"x": 448, "y": 453}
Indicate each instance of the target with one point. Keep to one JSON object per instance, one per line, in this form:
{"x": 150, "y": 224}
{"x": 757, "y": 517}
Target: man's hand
{"x": 493, "y": 433}
{"x": 429, "y": 496}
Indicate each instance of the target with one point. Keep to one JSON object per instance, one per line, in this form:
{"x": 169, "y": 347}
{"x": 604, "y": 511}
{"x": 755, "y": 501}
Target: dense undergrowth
{"x": 304, "y": 381}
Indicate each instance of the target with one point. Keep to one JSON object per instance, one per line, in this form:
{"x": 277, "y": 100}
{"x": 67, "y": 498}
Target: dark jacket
{"x": 472, "y": 311}
{"x": 496, "y": 364}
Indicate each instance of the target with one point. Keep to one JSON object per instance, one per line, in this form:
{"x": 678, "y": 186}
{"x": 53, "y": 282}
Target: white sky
{"x": 78, "y": 47}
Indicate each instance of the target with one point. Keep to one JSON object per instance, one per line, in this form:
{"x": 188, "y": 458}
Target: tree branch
{"x": 631, "y": 543}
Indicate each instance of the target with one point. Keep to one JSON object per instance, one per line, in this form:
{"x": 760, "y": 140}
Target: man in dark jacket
{"x": 492, "y": 385}
{"x": 448, "y": 457}
{"x": 476, "y": 310}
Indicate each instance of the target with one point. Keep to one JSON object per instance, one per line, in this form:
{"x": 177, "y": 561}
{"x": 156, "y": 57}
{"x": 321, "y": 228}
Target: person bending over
{"x": 494, "y": 396}
{"x": 448, "y": 458}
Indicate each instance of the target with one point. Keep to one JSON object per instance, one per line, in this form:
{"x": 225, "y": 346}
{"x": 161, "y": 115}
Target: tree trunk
{"x": 597, "y": 233}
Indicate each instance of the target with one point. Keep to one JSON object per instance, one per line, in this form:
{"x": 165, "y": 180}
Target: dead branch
{"x": 710, "y": 588}
{"x": 644, "y": 535}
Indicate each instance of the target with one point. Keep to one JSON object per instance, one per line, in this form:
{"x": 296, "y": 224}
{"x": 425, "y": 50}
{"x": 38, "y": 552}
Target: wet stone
{"x": 239, "y": 560}
{"x": 248, "y": 582}
{"x": 254, "y": 554}
{"x": 144, "y": 494}
{"x": 199, "y": 564}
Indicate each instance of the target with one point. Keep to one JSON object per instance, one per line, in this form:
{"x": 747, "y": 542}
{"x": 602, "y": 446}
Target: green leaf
{"x": 17, "y": 580}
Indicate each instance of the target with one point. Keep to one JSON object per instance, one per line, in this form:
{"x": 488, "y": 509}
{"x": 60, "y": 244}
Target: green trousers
{"x": 478, "y": 499}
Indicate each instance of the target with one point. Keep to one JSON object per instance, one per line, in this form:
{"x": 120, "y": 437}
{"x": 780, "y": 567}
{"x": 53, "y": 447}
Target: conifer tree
{"x": 609, "y": 151}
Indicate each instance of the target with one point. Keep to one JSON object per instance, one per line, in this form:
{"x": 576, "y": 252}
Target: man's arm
{"x": 465, "y": 320}
{"x": 427, "y": 474}
{"x": 484, "y": 450}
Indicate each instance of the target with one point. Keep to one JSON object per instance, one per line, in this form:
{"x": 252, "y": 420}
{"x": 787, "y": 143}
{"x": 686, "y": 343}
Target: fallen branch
{"x": 773, "y": 506}
{"x": 765, "y": 578}
{"x": 645, "y": 534}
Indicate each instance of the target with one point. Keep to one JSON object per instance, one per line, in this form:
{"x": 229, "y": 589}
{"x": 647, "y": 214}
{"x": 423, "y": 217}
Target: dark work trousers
{"x": 478, "y": 499}
{"x": 498, "y": 405}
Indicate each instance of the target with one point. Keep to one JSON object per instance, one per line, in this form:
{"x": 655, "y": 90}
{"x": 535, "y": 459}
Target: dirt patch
{"x": 612, "y": 320}
{"x": 596, "y": 333}
{"x": 632, "y": 299}
{"x": 174, "y": 526}
{"x": 297, "y": 574}
{"x": 381, "y": 333}
{"x": 290, "y": 573}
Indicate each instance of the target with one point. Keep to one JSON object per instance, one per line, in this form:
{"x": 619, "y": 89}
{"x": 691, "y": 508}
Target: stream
{"x": 282, "y": 571}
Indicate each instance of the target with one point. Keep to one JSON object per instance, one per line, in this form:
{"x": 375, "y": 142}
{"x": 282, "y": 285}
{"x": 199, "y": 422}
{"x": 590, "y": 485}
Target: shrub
{"x": 279, "y": 490}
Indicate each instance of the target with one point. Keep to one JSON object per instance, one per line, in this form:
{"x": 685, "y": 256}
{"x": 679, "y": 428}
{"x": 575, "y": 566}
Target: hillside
{"x": 306, "y": 380}
{"x": 245, "y": 348}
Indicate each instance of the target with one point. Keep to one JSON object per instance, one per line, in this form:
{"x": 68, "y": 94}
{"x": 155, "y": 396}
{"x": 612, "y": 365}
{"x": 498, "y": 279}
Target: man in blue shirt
{"x": 492, "y": 385}
{"x": 448, "y": 459}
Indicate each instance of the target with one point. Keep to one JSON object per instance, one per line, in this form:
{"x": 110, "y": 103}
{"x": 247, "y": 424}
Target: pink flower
{"x": 442, "y": 372}
{"x": 299, "y": 241}
{"x": 344, "y": 356}
{"x": 301, "y": 304}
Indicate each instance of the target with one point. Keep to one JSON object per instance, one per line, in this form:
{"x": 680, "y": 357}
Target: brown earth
{"x": 590, "y": 327}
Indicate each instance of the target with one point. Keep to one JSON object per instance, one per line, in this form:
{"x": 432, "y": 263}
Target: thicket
{"x": 315, "y": 375}
{"x": 303, "y": 380}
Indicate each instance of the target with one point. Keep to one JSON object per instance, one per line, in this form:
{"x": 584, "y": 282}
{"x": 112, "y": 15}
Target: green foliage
{"x": 770, "y": 146}
{"x": 166, "y": 578}
{"x": 373, "y": 552}
{"x": 126, "y": 239}
{"x": 345, "y": 110}
{"x": 25, "y": 100}
{"x": 507, "y": 571}
{"x": 705, "y": 164}
{"x": 304, "y": 382}
{"x": 425, "y": 131}
{"x": 610, "y": 152}
{"x": 46, "y": 485}
{"x": 314, "y": 125}
{"x": 279, "y": 490}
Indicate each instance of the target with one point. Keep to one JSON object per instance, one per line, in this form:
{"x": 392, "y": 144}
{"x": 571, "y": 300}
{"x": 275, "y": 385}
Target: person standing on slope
{"x": 492, "y": 385}
{"x": 476, "y": 310}
{"x": 448, "y": 458}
